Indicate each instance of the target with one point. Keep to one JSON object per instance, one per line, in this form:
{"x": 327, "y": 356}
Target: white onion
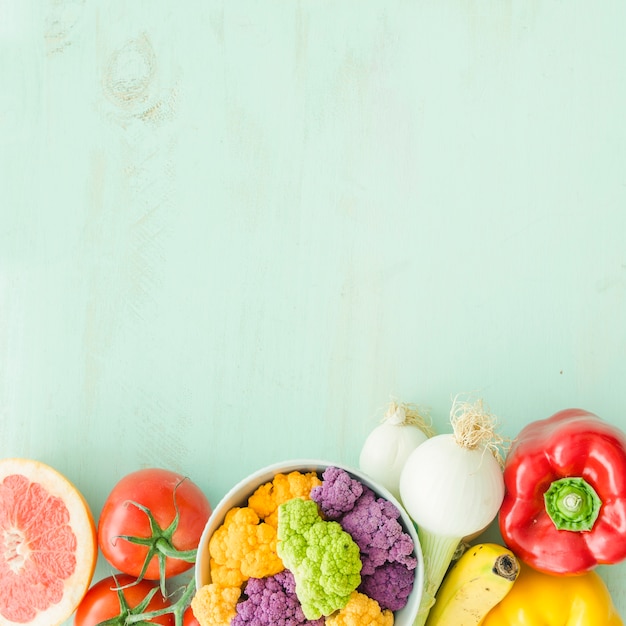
{"x": 389, "y": 444}
{"x": 452, "y": 487}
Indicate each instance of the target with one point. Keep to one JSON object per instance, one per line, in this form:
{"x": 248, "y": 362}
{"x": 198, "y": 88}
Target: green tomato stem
{"x": 572, "y": 504}
{"x": 164, "y": 546}
{"x": 177, "y": 608}
{"x": 129, "y": 615}
{"x": 160, "y": 543}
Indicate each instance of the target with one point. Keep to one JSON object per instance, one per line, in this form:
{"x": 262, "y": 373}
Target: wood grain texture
{"x": 230, "y": 232}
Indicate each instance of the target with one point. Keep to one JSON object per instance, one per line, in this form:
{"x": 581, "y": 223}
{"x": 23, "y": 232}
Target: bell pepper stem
{"x": 572, "y": 504}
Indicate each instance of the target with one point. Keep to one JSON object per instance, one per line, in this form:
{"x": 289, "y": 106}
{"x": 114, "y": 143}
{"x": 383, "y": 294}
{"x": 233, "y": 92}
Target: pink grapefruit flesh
{"x": 48, "y": 547}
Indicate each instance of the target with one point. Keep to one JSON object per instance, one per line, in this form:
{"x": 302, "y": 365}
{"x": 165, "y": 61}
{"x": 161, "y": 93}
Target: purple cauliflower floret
{"x": 387, "y": 551}
{"x": 390, "y": 585}
{"x": 272, "y": 601}
{"x": 374, "y": 525}
{"x": 337, "y": 494}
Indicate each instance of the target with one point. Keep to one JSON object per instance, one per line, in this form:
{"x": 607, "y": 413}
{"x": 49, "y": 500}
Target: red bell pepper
{"x": 564, "y": 508}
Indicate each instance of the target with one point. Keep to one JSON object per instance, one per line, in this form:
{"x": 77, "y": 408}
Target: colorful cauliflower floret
{"x": 272, "y": 601}
{"x": 374, "y": 525}
{"x": 337, "y": 494}
{"x": 243, "y": 547}
{"x": 324, "y": 559}
{"x": 306, "y": 551}
{"x": 284, "y": 487}
{"x": 361, "y": 611}
{"x": 214, "y": 605}
{"x": 390, "y": 585}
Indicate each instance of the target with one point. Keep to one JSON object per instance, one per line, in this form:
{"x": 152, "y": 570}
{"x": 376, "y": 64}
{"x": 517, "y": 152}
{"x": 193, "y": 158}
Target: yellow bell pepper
{"x": 538, "y": 599}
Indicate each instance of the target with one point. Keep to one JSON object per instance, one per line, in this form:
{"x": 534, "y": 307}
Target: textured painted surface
{"x": 231, "y": 231}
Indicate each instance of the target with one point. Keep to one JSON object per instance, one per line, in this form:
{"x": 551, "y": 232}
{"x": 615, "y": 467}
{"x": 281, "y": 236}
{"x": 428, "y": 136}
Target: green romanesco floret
{"x": 323, "y": 558}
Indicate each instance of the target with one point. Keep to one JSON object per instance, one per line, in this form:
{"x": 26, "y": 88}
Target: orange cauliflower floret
{"x": 243, "y": 547}
{"x": 284, "y": 487}
{"x": 359, "y": 611}
{"x": 214, "y": 605}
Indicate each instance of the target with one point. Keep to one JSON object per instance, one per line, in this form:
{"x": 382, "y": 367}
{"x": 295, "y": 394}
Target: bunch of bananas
{"x": 481, "y": 577}
{"x": 488, "y": 586}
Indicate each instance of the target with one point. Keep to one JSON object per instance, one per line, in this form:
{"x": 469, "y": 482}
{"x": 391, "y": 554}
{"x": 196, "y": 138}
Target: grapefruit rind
{"x": 81, "y": 523}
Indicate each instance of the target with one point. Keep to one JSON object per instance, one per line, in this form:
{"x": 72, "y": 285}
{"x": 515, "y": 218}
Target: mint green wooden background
{"x": 232, "y": 231}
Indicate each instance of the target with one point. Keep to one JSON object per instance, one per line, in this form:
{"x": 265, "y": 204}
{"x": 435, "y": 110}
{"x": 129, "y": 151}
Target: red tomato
{"x": 102, "y": 601}
{"x": 160, "y": 491}
{"x": 189, "y": 618}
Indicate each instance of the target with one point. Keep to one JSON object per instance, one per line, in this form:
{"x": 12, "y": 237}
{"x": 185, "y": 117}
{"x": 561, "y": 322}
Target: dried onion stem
{"x": 404, "y": 414}
{"x": 474, "y": 426}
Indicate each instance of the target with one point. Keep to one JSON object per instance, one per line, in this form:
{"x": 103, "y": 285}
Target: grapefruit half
{"x": 48, "y": 548}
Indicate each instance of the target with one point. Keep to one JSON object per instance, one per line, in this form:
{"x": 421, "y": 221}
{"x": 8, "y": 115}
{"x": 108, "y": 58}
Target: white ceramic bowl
{"x": 238, "y": 497}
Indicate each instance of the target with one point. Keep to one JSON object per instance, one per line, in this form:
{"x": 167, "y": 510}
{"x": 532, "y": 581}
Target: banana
{"x": 480, "y": 578}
